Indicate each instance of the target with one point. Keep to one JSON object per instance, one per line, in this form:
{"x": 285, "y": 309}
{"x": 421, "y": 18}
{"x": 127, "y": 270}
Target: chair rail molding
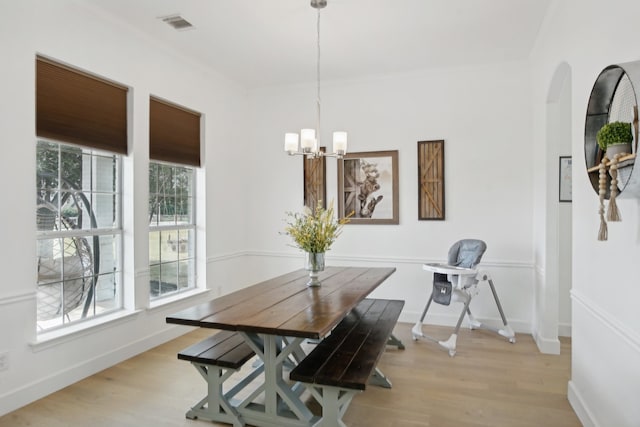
{"x": 396, "y": 260}
{"x": 17, "y": 297}
{"x": 605, "y": 318}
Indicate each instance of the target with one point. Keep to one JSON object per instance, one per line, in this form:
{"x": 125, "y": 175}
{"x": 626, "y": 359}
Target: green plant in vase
{"x": 615, "y": 138}
{"x": 314, "y": 233}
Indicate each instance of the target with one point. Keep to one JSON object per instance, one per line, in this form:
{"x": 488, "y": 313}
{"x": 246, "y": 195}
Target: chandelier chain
{"x": 318, "y": 80}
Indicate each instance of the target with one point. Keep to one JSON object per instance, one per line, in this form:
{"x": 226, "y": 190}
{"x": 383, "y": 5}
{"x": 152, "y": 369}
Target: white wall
{"x": 483, "y": 114}
{"x": 605, "y": 379}
{"x": 84, "y": 38}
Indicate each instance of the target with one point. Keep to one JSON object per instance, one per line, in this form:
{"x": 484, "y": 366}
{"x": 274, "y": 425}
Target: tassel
{"x": 602, "y": 190}
{"x": 603, "y": 234}
{"x": 613, "y": 213}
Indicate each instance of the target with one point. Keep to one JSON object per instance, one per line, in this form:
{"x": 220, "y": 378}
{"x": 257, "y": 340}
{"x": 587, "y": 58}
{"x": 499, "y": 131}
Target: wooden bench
{"x": 216, "y": 358}
{"x": 344, "y": 362}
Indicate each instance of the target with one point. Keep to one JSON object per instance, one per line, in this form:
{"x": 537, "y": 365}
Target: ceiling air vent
{"x": 177, "y": 22}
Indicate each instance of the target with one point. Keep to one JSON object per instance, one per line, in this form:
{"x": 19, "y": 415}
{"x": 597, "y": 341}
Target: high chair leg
{"x": 416, "y": 331}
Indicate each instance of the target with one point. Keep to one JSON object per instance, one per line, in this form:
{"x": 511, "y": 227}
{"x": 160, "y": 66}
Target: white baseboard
{"x": 35, "y": 390}
{"x": 579, "y": 407}
{"x": 564, "y": 330}
{"x": 546, "y": 345}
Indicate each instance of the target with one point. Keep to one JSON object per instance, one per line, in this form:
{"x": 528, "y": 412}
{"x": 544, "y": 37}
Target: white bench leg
{"x": 215, "y": 406}
{"x": 379, "y": 379}
{"x": 334, "y": 402}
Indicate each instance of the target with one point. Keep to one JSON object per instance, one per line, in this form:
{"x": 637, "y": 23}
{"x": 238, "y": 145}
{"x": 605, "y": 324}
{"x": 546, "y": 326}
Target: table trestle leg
{"x": 282, "y": 403}
{"x": 244, "y": 382}
{"x": 297, "y": 351}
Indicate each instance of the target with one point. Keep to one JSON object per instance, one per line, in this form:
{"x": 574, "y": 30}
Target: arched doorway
{"x": 555, "y": 315}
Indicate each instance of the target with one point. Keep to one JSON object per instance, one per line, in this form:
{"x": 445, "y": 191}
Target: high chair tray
{"x": 448, "y": 269}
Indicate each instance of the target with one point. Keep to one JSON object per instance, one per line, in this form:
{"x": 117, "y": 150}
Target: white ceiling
{"x": 272, "y": 42}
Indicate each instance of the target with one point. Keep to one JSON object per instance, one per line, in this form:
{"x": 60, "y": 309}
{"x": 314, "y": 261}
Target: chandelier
{"x": 309, "y": 138}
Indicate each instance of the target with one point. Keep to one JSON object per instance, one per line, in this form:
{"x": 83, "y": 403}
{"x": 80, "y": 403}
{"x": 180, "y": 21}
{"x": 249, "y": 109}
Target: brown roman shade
{"x": 75, "y": 107}
{"x": 174, "y": 133}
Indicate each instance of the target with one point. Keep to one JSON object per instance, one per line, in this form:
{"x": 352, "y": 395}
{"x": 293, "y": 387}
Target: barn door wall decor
{"x": 368, "y": 187}
{"x": 431, "y": 180}
{"x": 315, "y": 181}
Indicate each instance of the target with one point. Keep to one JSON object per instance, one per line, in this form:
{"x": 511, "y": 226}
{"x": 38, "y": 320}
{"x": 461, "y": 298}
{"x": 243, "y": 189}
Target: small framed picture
{"x": 315, "y": 181}
{"x": 368, "y": 187}
{"x": 565, "y": 179}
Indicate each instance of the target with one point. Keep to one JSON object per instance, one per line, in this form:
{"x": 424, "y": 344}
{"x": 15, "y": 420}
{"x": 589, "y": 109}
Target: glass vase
{"x": 314, "y": 264}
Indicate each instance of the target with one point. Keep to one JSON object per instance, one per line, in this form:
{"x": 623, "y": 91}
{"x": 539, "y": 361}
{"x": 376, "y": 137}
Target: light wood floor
{"x": 488, "y": 383}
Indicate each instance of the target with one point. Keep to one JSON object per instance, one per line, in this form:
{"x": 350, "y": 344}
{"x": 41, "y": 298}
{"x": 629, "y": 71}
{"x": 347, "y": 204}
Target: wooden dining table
{"x": 275, "y": 317}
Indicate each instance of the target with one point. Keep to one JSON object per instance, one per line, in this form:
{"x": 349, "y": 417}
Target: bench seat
{"x": 343, "y": 363}
{"x": 226, "y": 349}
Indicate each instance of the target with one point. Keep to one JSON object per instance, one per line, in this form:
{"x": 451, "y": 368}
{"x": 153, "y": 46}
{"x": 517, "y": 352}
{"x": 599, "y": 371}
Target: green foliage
{"x": 58, "y": 168}
{"x": 170, "y": 188}
{"x": 70, "y": 211}
{"x": 314, "y": 232}
{"x": 614, "y": 133}
{"x": 51, "y": 157}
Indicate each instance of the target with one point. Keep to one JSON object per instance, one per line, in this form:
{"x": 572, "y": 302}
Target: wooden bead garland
{"x": 613, "y": 213}
{"x": 602, "y": 191}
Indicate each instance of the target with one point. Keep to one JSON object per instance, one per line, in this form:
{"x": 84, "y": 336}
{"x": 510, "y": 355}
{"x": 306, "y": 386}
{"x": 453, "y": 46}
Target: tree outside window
{"x": 171, "y": 228}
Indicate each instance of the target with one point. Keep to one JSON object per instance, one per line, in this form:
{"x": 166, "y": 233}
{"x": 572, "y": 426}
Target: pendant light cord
{"x": 318, "y": 82}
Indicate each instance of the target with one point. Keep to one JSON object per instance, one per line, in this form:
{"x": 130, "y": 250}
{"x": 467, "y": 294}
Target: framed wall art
{"x": 565, "y": 179}
{"x": 368, "y": 187}
{"x": 315, "y": 181}
{"x": 431, "y": 180}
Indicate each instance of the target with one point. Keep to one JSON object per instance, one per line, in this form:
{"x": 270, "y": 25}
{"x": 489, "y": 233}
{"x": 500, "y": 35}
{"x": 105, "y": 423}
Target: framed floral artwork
{"x": 368, "y": 187}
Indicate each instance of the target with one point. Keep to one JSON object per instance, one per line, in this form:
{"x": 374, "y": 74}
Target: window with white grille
{"x": 79, "y": 233}
{"x": 171, "y": 228}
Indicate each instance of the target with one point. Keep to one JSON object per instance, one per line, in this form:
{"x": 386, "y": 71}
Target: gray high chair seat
{"x": 457, "y": 281}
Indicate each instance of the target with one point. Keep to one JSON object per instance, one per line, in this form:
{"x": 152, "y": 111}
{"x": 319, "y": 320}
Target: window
{"x": 78, "y": 233}
{"x": 78, "y": 193}
{"x": 174, "y": 152}
{"x": 171, "y": 228}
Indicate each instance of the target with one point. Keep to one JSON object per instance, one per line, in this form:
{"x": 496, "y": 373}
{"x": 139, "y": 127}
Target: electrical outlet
{"x": 4, "y": 360}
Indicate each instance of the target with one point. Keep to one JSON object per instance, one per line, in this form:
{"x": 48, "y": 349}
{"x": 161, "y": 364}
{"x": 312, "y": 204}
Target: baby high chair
{"x": 457, "y": 281}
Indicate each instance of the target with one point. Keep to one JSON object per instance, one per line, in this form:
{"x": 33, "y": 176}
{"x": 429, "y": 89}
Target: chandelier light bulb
{"x": 291, "y": 143}
{"x": 307, "y": 140}
{"x": 340, "y": 143}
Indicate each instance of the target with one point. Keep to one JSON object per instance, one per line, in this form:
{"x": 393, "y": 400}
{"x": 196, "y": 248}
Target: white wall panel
{"x": 605, "y": 274}
{"x": 90, "y": 40}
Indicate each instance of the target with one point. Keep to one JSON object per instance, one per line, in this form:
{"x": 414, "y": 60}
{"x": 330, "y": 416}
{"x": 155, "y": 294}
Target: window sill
{"x": 163, "y": 302}
{"x": 50, "y": 339}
